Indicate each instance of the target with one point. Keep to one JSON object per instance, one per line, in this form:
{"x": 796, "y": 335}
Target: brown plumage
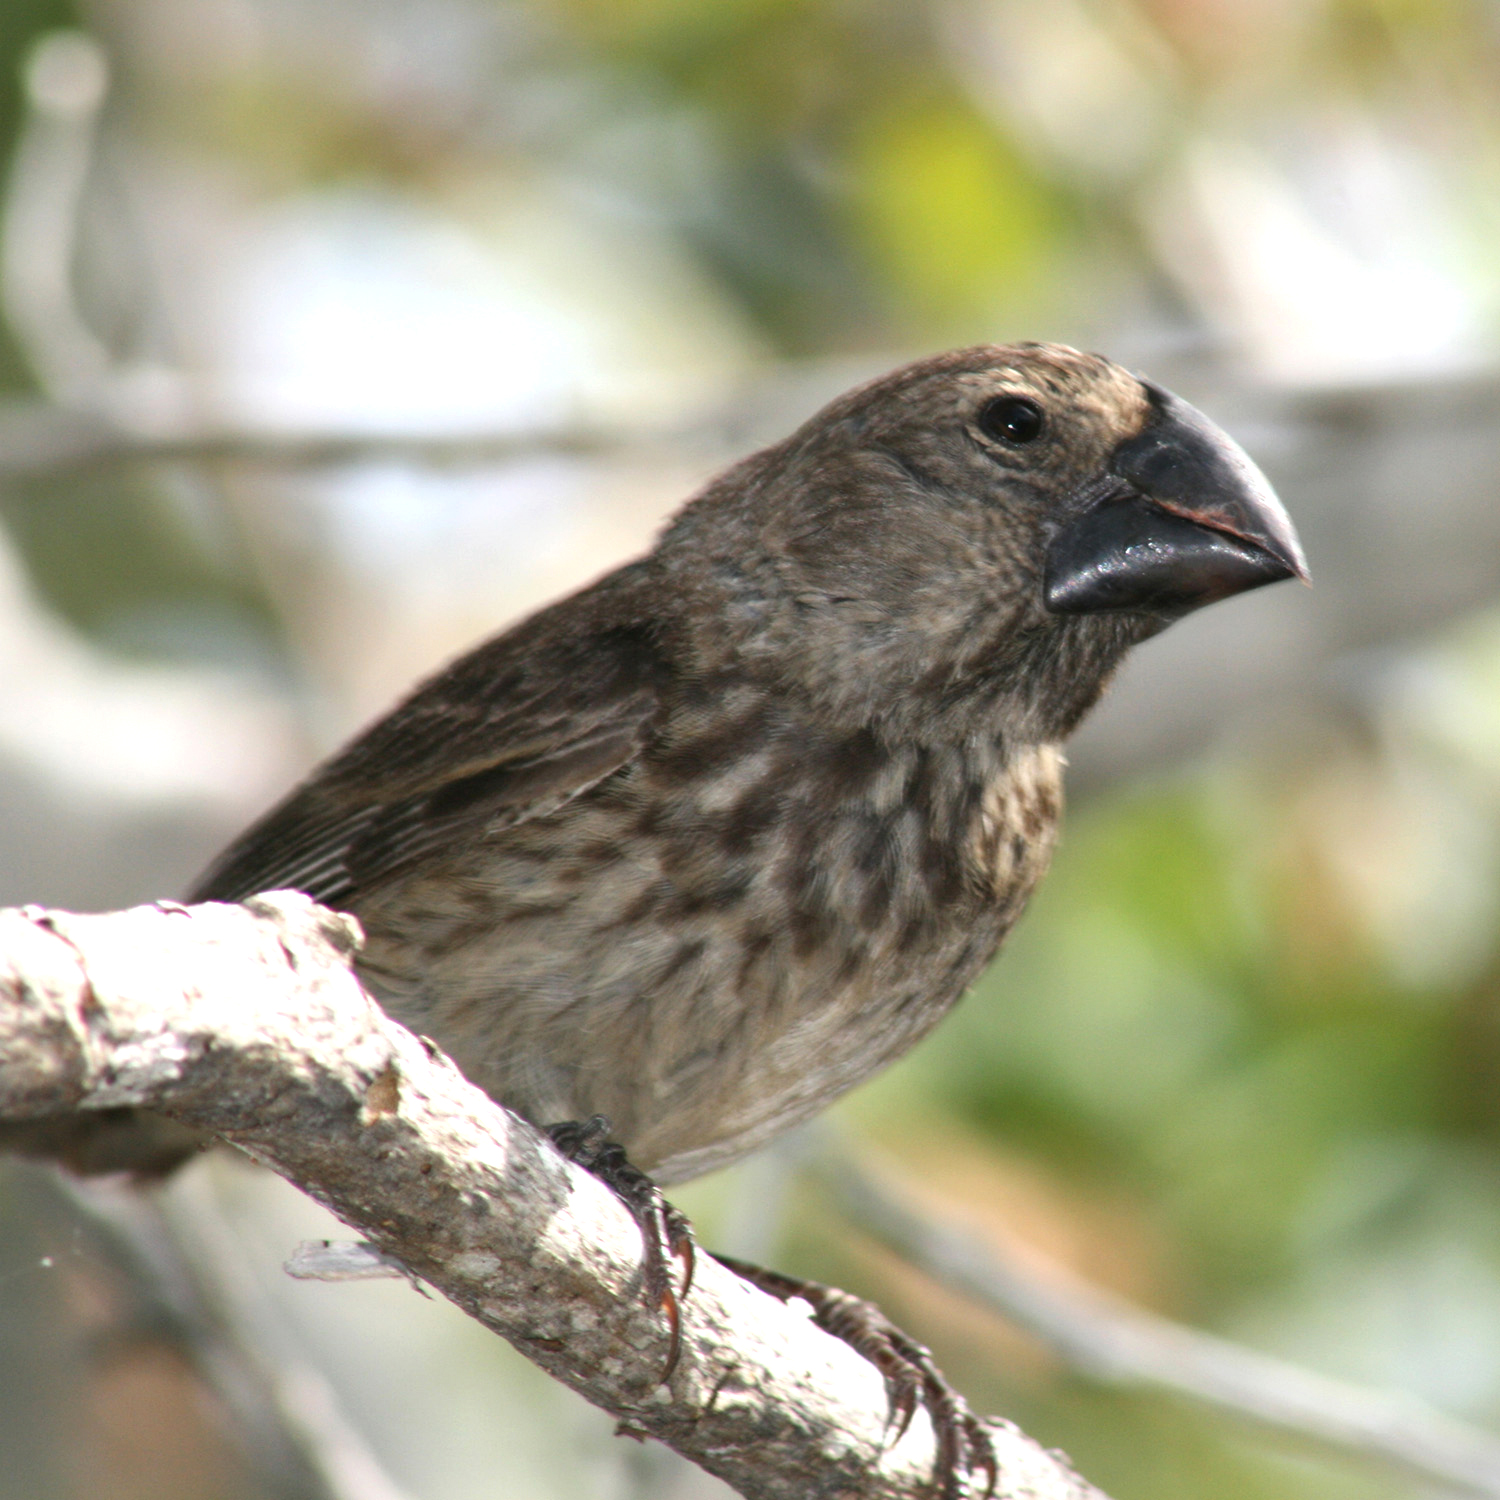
{"x": 710, "y": 841}
{"x": 705, "y": 844}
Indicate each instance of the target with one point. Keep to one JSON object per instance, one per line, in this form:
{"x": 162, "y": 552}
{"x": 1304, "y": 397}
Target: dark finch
{"x": 704, "y": 845}
{"x": 707, "y": 843}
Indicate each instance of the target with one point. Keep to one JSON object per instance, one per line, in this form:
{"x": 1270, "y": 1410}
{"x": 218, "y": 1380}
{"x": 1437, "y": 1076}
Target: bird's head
{"x": 994, "y": 521}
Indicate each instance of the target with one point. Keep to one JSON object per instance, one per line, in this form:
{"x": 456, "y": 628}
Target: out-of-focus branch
{"x": 41, "y": 440}
{"x": 247, "y": 1022}
{"x": 64, "y": 86}
{"x": 1107, "y": 1339}
{"x": 181, "y": 1259}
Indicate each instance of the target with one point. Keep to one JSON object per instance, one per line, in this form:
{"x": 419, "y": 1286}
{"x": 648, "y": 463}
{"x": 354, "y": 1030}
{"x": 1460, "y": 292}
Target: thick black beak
{"x": 1191, "y": 520}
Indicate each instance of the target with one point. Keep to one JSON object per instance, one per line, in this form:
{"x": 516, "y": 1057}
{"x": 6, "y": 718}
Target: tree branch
{"x": 180, "y": 1257}
{"x": 247, "y": 1022}
{"x": 1111, "y": 1341}
{"x": 41, "y": 440}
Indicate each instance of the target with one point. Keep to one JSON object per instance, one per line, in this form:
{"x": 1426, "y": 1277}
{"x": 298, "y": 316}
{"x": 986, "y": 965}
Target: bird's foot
{"x": 965, "y": 1448}
{"x": 667, "y": 1233}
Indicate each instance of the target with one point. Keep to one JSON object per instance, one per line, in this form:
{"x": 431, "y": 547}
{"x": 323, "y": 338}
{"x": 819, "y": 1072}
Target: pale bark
{"x": 247, "y": 1022}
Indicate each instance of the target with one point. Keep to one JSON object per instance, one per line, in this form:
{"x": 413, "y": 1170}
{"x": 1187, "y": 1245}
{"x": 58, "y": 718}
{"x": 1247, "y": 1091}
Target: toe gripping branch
{"x": 965, "y": 1448}
{"x": 667, "y": 1234}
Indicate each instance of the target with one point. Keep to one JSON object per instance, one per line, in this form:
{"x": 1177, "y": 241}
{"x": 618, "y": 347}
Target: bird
{"x": 673, "y": 863}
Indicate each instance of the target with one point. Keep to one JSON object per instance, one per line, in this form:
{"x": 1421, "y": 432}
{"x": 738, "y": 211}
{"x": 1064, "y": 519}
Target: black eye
{"x": 1012, "y": 419}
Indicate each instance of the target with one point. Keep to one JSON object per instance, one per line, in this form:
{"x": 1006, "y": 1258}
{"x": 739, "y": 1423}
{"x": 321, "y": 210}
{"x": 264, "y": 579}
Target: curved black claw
{"x": 965, "y": 1448}
{"x": 667, "y": 1234}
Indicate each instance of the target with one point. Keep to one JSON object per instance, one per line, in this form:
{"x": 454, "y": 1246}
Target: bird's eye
{"x": 1012, "y": 419}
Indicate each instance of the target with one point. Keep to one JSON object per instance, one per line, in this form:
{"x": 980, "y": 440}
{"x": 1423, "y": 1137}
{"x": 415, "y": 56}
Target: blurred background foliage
{"x": 341, "y": 331}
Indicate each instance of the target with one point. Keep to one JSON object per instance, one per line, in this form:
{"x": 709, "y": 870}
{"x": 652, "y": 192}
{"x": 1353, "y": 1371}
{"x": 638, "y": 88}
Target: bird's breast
{"x": 1010, "y": 840}
{"x": 716, "y": 943}
{"x": 842, "y": 869}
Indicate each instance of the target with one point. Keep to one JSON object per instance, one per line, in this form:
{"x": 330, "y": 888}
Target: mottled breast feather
{"x": 1011, "y": 842}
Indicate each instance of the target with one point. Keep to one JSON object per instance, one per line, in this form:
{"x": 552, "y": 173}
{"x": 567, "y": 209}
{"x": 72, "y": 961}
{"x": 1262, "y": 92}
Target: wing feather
{"x": 510, "y": 732}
